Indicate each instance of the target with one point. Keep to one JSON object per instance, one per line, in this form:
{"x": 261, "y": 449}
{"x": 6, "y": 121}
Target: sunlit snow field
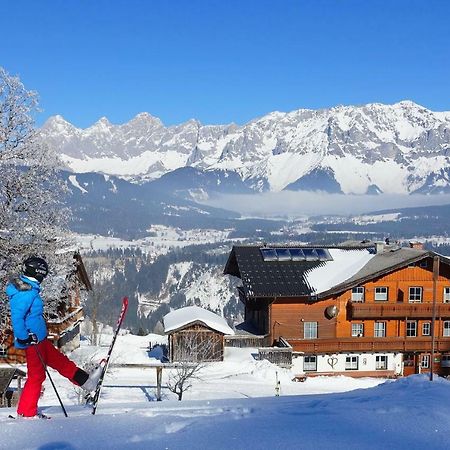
{"x": 234, "y": 406}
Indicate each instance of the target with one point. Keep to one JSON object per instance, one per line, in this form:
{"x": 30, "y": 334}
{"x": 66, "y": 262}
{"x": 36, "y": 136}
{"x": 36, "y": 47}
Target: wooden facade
{"x": 196, "y": 343}
{"x": 64, "y": 327}
{"x": 383, "y": 314}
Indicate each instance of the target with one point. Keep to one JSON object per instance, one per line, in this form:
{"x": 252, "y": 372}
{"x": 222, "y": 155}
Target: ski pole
{"x": 51, "y": 381}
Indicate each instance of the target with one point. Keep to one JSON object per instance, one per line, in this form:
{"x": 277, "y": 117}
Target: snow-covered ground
{"x": 233, "y": 406}
{"x": 160, "y": 240}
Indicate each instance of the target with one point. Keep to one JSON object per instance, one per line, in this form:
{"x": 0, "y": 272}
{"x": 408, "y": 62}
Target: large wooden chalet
{"x": 64, "y": 325}
{"x": 357, "y": 309}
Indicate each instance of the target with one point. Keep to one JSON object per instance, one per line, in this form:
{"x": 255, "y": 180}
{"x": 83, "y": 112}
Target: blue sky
{"x": 224, "y": 61}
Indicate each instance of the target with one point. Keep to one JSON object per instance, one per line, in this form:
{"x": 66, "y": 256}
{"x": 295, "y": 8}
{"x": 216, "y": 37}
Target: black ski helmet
{"x": 35, "y": 267}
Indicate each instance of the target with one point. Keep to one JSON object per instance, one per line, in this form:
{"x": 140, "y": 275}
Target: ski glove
{"x": 30, "y": 340}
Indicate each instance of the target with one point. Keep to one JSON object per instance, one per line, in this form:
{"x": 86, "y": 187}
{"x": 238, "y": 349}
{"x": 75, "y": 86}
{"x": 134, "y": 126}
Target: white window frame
{"x": 310, "y": 330}
{"x": 446, "y": 328}
{"x": 357, "y": 329}
{"x": 358, "y": 294}
{"x": 382, "y": 294}
{"x": 379, "y": 329}
{"x": 3, "y": 351}
{"x": 425, "y": 361}
{"x": 381, "y": 362}
{"x": 351, "y": 362}
{"x": 446, "y": 297}
{"x": 411, "y": 328}
{"x": 426, "y": 329}
{"x": 311, "y": 365}
{"x": 415, "y": 294}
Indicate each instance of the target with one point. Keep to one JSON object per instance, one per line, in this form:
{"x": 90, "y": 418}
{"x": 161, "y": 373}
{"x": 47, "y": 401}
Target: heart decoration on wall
{"x": 332, "y": 361}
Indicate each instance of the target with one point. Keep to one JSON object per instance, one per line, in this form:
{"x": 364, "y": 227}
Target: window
{"x": 351, "y": 363}
{"x": 310, "y": 330}
{"x": 426, "y": 329}
{"x": 446, "y": 330}
{"x": 447, "y": 294}
{"x": 357, "y": 329}
{"x": 358, "y": 294}
{"x": 3, "y": 351}
{"x": 411, "y": 328}
{"x": 381, "y": 294}
{"x": 380, "y": 329}
{"x": 310, "y": 363}
{"x": 415, "y": 294}
{"x": 381, "y": 362}
{"x": 425, "y": 362}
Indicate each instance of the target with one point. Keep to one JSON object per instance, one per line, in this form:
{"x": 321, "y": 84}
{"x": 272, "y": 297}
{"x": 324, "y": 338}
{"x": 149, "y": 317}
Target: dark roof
{"x": 290, "y": 278}
{"x": 268, "y": 278}
{"x": 81, "y": 271}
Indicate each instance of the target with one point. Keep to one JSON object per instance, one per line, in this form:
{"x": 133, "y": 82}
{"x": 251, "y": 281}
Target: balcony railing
{"x": 369, "y": 345}
{"x": 397, "y": 310}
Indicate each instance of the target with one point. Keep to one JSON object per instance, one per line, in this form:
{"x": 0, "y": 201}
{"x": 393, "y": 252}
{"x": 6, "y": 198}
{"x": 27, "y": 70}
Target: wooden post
{"x": 433, "y": 320}
{"x": 158, "y": 383}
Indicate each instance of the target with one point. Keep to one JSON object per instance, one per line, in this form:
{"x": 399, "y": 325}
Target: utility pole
{"x": 433, "y": 319}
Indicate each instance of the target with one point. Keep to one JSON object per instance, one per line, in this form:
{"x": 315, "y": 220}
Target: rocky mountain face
{"x": 400, "y": 148}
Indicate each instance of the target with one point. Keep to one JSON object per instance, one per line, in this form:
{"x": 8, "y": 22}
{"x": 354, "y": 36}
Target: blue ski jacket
{"x": 27, "y": 309}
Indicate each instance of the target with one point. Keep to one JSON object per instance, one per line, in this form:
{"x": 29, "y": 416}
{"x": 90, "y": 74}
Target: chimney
{"x": 416, "y": 244}
{"x": 379, "y": 247}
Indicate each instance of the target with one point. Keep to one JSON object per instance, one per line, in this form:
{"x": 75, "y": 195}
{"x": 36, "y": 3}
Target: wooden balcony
{"x": 395, "y": 344}
{"x": 397, "y": 310}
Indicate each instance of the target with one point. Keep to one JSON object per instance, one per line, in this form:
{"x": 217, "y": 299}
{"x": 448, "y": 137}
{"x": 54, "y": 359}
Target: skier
{"x": 30, "y": 334}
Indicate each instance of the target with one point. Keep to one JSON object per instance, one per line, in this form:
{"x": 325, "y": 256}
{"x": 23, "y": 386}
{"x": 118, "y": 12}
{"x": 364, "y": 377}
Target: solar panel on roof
{"x": 311, "y": 254}
{"x": 283, "y": 254}
{"x": 297, "y": 254}
{"x": 269, "y": 254}
{"x": 324, "y": 254}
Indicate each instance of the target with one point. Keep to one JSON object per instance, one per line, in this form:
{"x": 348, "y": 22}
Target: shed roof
{"x": 183, "y": 317}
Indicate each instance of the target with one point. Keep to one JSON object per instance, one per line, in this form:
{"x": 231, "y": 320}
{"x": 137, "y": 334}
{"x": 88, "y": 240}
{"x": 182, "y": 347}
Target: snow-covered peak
{"x": 101, "y": 125}
{"x": 144, "y": 118}
{"x": 397, "y": 148}
{"x": 57, "y": 124}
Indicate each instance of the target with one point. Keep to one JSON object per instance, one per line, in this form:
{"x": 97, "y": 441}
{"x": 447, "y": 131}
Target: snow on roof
{"x": 184, "y": 316}
{"x": 344, "y": 265}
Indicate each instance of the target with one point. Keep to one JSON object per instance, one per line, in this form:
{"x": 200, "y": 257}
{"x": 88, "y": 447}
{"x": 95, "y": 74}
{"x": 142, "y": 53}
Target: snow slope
{"x": 409, "y": 413}
{"x": 233, "y": 406}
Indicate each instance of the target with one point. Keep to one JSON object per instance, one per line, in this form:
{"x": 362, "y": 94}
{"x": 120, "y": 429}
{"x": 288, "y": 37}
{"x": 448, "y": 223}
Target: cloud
{"x": 299, "y": 204}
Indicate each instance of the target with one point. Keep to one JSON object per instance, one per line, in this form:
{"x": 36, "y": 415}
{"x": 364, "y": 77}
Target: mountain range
{"x": 375, "y": 148}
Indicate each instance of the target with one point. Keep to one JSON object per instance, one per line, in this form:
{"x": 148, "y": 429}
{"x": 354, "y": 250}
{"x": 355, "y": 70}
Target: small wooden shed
{"x": 9, "y": 396}
{"x": 195, "y": 335}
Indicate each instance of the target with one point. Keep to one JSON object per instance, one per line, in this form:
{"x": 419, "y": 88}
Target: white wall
{"x": 366, "y": 362}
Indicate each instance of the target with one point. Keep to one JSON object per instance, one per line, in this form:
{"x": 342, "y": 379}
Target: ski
{"x": 37, "y": 416}
{"x": 93, "y": 399}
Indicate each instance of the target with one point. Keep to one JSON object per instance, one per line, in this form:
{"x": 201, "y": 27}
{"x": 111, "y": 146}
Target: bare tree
{"x": 195, "y": 350}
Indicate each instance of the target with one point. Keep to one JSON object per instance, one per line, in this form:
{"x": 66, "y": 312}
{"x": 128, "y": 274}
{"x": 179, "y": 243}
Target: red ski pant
{"x": 53, "y": 358}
